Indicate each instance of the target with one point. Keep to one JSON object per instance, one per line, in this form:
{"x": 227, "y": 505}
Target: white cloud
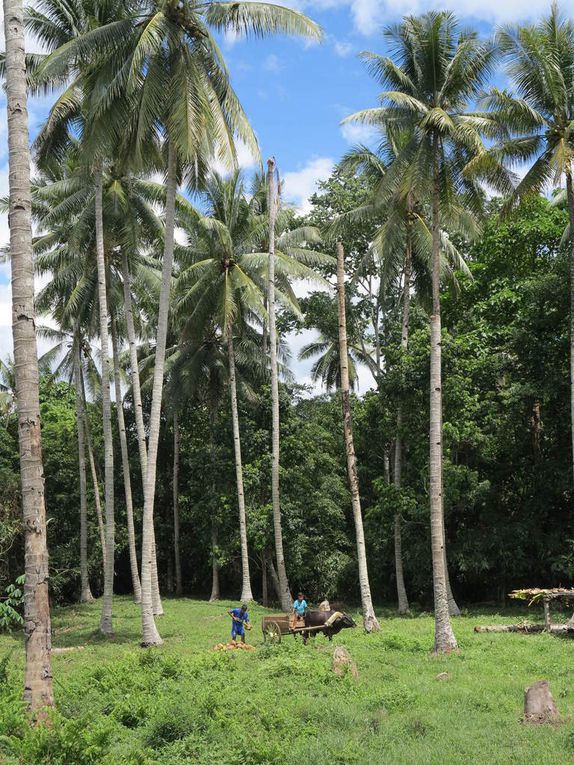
{"x": 300, "y": 184}
{"x": 355, "y": 132}
{"x": 369, "y": 16}
{"x": 272, "y": 63}
{"x": 342, "y": 48}
{"x": 245, "y": 160}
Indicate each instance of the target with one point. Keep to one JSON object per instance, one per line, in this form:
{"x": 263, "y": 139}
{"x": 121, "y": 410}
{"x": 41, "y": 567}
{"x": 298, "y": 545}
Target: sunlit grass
{"x": 184, "y": 702}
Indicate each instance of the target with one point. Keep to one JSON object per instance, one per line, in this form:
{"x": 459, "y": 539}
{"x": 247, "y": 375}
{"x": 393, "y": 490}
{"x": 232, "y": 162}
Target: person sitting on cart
{"x": 300, "y": 607}
{"x": 239, "y": 620}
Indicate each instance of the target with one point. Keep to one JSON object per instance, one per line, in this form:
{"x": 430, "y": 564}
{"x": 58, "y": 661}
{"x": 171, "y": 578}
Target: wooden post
{"x": 547, "y": 623}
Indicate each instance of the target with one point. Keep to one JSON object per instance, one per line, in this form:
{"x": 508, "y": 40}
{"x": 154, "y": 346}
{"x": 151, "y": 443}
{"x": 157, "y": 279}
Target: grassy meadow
{"x": 118, "y": 704}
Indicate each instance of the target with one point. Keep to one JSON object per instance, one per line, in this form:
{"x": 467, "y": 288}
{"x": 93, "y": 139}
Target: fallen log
{"x": 525, "y": 628}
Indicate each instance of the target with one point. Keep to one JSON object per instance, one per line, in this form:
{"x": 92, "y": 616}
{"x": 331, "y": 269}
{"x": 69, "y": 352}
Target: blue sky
{"x": 296, "y": 94}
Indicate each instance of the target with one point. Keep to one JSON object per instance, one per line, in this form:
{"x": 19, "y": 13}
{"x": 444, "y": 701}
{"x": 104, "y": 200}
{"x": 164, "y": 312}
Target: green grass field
{"x": 185, "y": 703}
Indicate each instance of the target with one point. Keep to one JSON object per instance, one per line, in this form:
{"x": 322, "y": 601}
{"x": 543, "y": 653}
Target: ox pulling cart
{"x": 327, "y": 622}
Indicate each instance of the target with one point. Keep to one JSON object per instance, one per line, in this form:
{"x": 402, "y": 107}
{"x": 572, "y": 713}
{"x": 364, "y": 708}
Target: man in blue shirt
{"x": 299, "y": 606}
{"x": 239, "y": 620}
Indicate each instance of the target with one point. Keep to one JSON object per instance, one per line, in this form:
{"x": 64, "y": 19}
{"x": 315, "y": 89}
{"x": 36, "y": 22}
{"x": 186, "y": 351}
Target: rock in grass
{"x": 343, "y": 663}
{"x": 442, "y": 676}
{"x": 539, "y": 706}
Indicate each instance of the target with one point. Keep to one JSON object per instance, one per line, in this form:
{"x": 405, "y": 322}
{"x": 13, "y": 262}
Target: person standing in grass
{"x": 239, "y": 620}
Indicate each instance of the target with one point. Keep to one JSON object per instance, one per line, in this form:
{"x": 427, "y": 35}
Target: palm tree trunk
{"x": 399, "y": 572}
{"x": 134, "y": 368}
{"x": 570, "y": 200}
{"x": 94, "y": 474}
{"x": 214, "y": 561}
{"x": 272, "y": 203}
{"x": 106, "y": 618}
{"x": 178, "y": 584}
{"x": 444, "y": 636}
{"x": 157, "y": 607}
{"x": 214, "y": 565}
{"x": 369, "y": 619}
{"x": 246, "y": 593}
{"x": 136, "y": 586}
{"x": 38, "y": 692}
{"x": 151, "y": 635}
{"x": 85, "y": 591}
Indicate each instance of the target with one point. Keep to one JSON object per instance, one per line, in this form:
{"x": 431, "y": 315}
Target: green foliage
{"x": 11, "y": 606}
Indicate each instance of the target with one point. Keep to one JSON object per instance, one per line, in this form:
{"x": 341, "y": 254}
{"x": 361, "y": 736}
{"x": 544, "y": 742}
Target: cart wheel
{"x": 272, "y": 632}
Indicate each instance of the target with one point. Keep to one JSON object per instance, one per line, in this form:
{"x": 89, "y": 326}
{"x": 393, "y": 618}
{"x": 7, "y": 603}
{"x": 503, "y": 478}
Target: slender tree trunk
{"x": 38, "y": 675}
{"x": 134, "y": 368}
{"x": 151, "y": 635}
{"x": 157, "y": 607}
{"x": 106, "y": 619}
{"x": 95, "y": 481}
{"x": 85, "y": 591}
{"x": 445, "y": 640}
{"x": 570, "y": 199}
{"x": 369, "y": 619}
{"x": 246, "y": 593}
{"x": 274, "y": 577}
{"x": 272, "y": 204}
{"x": 214, "y": 565}
{"x": 214, "y": 562}
{"x": 399, "y": 571}
{"x": 136, "y": 586}
{"x": 264, "y": 583}
{"x": 177, "y": 558}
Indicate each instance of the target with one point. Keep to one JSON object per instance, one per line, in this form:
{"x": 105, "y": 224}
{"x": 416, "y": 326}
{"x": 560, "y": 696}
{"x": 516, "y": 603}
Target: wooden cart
{"x": 274, "y": 627}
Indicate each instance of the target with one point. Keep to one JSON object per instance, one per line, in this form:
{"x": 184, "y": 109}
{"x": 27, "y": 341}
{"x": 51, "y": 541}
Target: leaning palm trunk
{"x": 94, "y": 474}
{"x": 399, "y": 572}
{"x": 176, "y": 552}
{"x": 570, "y": 201}
{"x": 272, "y": 203}
{"x": 38, "y": 676}
{"x": 151, "y": 635}
{"x": 126, "y": 472}
{"x": 246, "y": 594}
{"x": 138, "y": 410}
{"x": 106, "y": 619}
{"x": 369, "y": 619}
{"x": 444, "y": 636}
{"x": 85, "y": 591}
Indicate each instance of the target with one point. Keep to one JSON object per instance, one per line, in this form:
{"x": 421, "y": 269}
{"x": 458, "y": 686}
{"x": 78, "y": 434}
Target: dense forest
{"x": 507, "y": 457}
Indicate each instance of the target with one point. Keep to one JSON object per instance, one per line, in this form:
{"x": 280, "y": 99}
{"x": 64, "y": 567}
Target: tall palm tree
{"x": 174, "y": 77}
{"x": 272, "y": 207}
{"x": 538, "y": 118}
{"x": 369, "y": 618}
{"x": 38, "y": 675}
{"x": 436, "y": 70}
{"x": 401, "y": 252}
{"x": 224, "y": 283}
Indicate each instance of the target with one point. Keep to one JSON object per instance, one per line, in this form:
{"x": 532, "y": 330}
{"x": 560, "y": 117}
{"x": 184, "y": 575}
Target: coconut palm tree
{"x": 369, "y": 618}
{"x": 537, "y": 120}
{"x": 401, "y": 253}
{"x": 38, "y": 675}
{"x": 173, "y": 77}
{"x": 435, "y": 71}
{"x": 224, "y": 284}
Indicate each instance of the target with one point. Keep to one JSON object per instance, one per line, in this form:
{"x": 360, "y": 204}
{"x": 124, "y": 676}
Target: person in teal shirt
{"x": 300, "y": 606}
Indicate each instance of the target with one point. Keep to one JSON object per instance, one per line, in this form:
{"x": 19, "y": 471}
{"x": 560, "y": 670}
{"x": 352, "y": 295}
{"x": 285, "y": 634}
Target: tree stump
{"x": 324, "y": 605}
{"x": 539, "y": 706}
{"x": 343, "y": 663}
